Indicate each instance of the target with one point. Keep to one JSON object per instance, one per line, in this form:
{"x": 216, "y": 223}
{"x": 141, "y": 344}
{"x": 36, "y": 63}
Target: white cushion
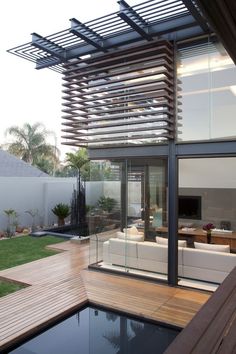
{"x": 123, "y": 253}
{"x": 132, "y": 231}
{"x": 209, "y": 260}
{"x": 154, "y": 257}
{"x": 152, "y": 266}
{"x": 153, "y": 251}
{"x": 136, "y": 237}
{"x": 164, "y": 241}
{"x": 209, "y": 247}
{"x": 214, "y": 276}
{"x": 120, "y": 235}
{"x": 106, "y": 252}
{"x": 123, "y": 248}
{"x": 151, "y": 256}
{"x": 124, "y": 261}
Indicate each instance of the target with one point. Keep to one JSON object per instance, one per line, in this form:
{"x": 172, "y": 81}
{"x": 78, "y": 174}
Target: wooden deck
{"x": 61, "y": 284}
{"x": 213, "y": 329}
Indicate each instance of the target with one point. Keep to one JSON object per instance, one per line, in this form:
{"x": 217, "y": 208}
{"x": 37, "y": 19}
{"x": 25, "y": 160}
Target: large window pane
{"x": 207, "y": 194}
{"x": 208, "y": 84}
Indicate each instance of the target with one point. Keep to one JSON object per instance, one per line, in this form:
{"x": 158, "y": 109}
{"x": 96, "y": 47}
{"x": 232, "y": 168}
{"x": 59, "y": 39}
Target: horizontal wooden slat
{"x": 94, "y": 74}
{"x": 125, "y": 115}
{"x": 109, "y": 83}
{"x": 163, "y": 89}
{"x": 98, "y": 89}
{"x": 161, "y": 45}
{"x": 122, "y": 88}
{"x": 155, "y": 137}
{"x": 101, "y": 59}
{"x": 132, "y": 130}
{"x": 162, "y": 97}
{"x": 75, "y": 126}
{"x": 120, "y": 109}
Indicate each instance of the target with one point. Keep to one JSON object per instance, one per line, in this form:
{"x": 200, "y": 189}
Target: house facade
{"x": 150, "y": 91}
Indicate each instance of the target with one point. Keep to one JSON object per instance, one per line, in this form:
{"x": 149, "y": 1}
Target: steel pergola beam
{"x": 131, "y": 36}
{"x": 127, "y": 26}
{"x": 182, "y": 25}
{"x": 134, "y": 20}
{"x": 48, "y": 46}
{"x": 47, "y": 62}
{"x": 196, "y": 14}
{"x": 87, "y": 34}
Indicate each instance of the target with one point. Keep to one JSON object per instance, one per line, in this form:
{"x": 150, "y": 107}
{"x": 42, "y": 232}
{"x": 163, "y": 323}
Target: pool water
{"x": 97, "y": 331}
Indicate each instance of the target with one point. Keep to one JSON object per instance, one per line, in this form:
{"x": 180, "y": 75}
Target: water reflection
{"x": 95, "y": 331}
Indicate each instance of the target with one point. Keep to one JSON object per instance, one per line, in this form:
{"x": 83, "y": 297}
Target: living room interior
{"x": 142, "y": 204}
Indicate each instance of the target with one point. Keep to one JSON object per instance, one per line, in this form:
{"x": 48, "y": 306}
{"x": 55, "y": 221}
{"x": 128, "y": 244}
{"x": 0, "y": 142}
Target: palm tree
{"x": 30, "y": 144}
{"x": 77, "y": 160}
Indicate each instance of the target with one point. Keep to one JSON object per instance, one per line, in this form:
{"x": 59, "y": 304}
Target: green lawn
{"x": 8, "y": 287}
{"x": 20, "y": 250}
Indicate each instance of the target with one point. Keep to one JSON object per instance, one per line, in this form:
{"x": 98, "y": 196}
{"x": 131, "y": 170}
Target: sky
{"x": 27, "y": 94}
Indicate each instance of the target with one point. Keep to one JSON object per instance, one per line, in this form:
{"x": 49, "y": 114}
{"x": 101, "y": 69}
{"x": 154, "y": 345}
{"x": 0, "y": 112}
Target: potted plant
{"x": 61, "y": 210}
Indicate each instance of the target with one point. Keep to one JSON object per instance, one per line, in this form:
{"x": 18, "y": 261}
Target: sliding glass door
{"x": 129, "y": 210}
{"x": 146, "y": 189}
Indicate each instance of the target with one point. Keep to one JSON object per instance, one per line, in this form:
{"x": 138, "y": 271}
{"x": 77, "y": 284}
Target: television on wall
{"x": 190, "y": 207}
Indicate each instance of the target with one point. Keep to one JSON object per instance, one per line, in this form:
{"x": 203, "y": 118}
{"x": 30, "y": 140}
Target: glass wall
{"x": 128, "y": 218}
{"x": 208, "y": 89}
{"x": 207, "y": 219}
{"x": 124, "y": 238}
{"x": 103, "y": 203}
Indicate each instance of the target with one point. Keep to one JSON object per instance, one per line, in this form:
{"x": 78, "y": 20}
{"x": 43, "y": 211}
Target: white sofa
{"x": 192, "y": 263}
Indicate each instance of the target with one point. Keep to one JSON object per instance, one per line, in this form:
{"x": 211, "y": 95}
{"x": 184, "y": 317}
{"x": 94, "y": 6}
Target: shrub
{"x": 61, "y": 210}
{"x": 106, "y": 203}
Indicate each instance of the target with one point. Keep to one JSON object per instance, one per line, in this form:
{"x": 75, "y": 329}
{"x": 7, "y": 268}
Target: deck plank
{"x": 162, "y": 303}
{"x": 61, "y": 284}
{"x": 213, "y": 328}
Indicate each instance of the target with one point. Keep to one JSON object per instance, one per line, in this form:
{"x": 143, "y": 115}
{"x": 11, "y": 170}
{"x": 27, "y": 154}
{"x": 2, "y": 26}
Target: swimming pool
{"x": 97, "y": 331}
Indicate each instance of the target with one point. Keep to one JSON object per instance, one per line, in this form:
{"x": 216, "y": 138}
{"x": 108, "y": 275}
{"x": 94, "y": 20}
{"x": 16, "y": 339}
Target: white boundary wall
{"x": 42, "y": 193}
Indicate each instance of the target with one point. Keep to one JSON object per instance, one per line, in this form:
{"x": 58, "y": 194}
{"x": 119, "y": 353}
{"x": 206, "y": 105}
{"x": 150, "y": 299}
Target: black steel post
{"x": 172, "y": 216}
{"x": 124, "y": 195}
{"x": 146, "y": 202}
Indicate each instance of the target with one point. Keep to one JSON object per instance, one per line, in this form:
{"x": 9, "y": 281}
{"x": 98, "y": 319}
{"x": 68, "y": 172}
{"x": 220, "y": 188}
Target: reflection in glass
{"x": 100, "y": 332}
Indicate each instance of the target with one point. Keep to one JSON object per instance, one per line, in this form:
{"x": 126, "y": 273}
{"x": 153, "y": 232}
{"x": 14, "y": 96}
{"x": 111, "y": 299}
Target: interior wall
{"x": 218, "y": 205}
{"x": 214, "y": 179}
